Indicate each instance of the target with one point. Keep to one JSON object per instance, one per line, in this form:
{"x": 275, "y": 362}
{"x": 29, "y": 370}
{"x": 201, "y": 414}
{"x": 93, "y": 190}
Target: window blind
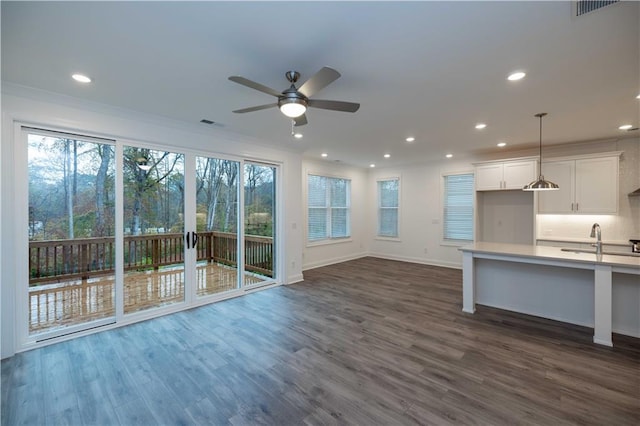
{"x": 328, "y": 208}
{"x": 388, "y": 208}
{"x": 458, "y": 207}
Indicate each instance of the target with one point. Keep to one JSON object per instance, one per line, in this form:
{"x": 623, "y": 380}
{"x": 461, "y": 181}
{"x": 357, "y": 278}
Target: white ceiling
{"x": 426, "y": 69}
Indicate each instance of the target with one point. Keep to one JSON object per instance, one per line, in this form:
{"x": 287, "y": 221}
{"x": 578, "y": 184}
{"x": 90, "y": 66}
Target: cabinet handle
{"x": 577, "y": 208}
{"x": 571, "y": 206}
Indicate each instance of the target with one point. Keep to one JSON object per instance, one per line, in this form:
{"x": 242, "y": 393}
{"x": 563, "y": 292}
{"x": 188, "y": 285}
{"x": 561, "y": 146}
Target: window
{"x": 458, "y": 207}
{"x": 388, "y": 207}
{"x": 329, "y": 205}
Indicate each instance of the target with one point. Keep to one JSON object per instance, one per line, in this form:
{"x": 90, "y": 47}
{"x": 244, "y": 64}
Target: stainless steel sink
{"x": 611, "y": 253}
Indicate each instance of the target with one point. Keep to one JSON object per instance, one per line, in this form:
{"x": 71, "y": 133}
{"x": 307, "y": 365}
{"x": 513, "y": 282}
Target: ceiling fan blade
{"x": 255, "y": 108}
{"x": 319, "y": 81}
{"x": 254, "y": 85}
{"x": 300, "y": 121}
{"x": 334, "y": 105}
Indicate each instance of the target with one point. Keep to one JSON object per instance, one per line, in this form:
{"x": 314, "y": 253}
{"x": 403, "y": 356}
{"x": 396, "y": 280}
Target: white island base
{"x": 602, "y": 292}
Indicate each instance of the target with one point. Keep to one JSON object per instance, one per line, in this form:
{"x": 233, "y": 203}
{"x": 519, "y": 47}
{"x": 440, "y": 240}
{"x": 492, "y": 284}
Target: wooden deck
{"x": 79, "y": 301}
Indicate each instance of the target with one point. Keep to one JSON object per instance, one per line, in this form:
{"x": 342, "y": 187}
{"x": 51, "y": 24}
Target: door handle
{"x": 194, "y": 239}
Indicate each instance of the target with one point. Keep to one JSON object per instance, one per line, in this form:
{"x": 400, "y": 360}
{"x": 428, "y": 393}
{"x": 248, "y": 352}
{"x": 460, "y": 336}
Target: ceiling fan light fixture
{"x": 292, "y": 107}
{"x": 541, "y": 184}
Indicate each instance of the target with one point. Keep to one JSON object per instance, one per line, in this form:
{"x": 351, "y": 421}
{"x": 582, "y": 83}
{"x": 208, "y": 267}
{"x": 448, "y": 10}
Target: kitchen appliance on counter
{"x": 635, "y": 246}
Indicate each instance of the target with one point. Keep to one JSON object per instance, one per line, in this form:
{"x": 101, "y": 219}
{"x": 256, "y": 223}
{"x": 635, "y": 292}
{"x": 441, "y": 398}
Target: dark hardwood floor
{"x": 366, "y": 342}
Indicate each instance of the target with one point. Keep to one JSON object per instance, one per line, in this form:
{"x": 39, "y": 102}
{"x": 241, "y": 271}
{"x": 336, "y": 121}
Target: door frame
{"x": 25, "y": 341}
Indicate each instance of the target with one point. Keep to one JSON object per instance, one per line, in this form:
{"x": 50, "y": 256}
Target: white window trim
{"x": 384, "y": 237}
{"x": 329, "y": 240}
{"x": 450, "y": 242}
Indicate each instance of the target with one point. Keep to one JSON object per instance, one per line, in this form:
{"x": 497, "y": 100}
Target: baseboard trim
{"x": 333, "y": 261}
{"x": 294, "y": 279}
{"x": 430, "y": 262}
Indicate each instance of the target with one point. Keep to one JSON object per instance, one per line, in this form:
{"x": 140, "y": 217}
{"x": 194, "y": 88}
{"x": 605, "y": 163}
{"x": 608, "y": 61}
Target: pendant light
{"x": 541, "y": 184}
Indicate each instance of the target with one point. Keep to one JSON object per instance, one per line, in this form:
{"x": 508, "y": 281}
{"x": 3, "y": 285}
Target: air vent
{"x": 211, "y": 122}
{"x": 586, "y": 6}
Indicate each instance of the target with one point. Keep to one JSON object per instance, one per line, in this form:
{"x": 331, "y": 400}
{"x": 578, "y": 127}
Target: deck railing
{"x": 83, "y": 258}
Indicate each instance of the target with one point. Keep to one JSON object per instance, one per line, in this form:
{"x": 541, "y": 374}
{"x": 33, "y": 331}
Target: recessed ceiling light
{"x": 480, "y": 126}
{"x": 324, "y": 155}
{"x": 387, "y": 155}
{"x": 638, "y": 97}
{"x": 81, "y": 78}
{"x": 410, "y": 139}
{"x": 518, "y": 75}
{"x": 449, "y": 155}
{"x": 372, "y": 165}
{"x": 625, "y": 127}
{"x": 298, "y": 136}
{"x": 501, "y": 144}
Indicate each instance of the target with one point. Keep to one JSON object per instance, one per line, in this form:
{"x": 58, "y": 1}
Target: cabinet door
{"x": 517, "y": 174}
{"x": 561, "y": 201}
{"x": 489, "y": 177}
{"x": 597, "y": 185}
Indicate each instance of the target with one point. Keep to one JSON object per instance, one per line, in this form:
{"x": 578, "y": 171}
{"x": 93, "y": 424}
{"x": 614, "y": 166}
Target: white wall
{"x": 321, "y": 254}
{"x": 505, "y": 216}
{"x": 40, "y": 109}
{"x": 420, "y": 238}
{"x": 420, "y": 233}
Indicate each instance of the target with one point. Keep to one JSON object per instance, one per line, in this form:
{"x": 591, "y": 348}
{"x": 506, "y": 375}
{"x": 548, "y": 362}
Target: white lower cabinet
{"x": 587, "y": 186}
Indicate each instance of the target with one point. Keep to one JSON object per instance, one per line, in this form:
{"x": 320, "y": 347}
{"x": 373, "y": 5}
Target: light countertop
{"x": 551, "y": 253}
{"x": 625, "y": 243}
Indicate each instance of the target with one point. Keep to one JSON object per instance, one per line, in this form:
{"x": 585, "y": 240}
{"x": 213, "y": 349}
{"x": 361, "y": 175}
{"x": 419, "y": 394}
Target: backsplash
{"x": 578, "y": 227}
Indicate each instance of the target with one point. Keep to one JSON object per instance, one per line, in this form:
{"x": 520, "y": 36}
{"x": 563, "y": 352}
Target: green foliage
{"x": 153, "y": 198}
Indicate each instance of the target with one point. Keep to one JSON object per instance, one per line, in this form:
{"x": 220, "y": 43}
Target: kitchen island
{"x": 599, "y": 291}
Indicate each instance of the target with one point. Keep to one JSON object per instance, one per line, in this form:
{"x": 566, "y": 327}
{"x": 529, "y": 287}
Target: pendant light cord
{"x": 540, "y": 115}
{"x": 540, "y": 165}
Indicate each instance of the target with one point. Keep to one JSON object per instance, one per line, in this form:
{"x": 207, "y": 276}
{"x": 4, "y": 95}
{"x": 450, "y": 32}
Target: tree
{"x": 104, "y": 151}
{"x": 69, "y": 184}
{"x": 231, "y": 169}
{"x": 142, "y": 182}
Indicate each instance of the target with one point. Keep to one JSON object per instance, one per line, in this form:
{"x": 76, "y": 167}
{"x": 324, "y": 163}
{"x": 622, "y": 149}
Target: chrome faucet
{"x": 597, "y": 234}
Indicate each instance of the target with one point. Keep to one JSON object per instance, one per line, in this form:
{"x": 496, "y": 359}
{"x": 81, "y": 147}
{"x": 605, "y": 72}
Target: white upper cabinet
{"x": 504, "y": 175}
{"x": 587, "y": 186}
{"x": 563, "y": 174}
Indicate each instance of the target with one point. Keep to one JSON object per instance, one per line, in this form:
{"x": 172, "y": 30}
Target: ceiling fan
{"x": 294, "y": 102}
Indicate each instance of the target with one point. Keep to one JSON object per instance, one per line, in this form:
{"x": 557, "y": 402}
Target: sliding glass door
{"x": 217, "y": 225}
{"x": 117, "y": 230}
{"x": 259, "y": 223}
{"x": 70, "y": 231}
{"x": 154, "y": 234}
